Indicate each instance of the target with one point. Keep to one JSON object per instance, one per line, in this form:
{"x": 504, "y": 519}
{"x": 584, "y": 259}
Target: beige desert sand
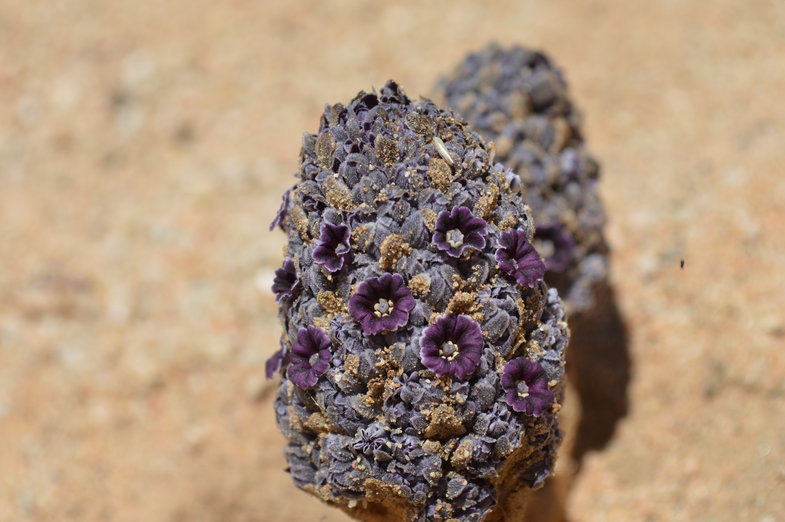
{"x": 143, "y": 151}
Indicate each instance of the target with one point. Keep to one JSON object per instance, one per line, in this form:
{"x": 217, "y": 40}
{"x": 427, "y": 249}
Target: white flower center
{"x": 313, "y": 359}
{"x": 449, "y": 350}
{"x": 454, "y": 238}
{"x": 522, "y": 389}
{"x": 383, "y": 308}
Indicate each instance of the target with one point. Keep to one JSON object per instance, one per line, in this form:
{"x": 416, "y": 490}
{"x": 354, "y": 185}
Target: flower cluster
{"x": 411, "y": 297}
{"x": 518, "y": 99}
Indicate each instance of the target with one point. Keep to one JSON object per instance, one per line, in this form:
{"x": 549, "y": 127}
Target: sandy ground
{"x": 143, "y": 150}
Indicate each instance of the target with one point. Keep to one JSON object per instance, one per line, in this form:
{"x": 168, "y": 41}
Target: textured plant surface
{"x": 422, "y": 354}
{"x": 518, "y": 99}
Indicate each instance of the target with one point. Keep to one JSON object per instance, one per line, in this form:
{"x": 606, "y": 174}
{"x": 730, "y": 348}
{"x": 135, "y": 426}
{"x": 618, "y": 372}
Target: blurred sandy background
{"x": 143, "y": 150}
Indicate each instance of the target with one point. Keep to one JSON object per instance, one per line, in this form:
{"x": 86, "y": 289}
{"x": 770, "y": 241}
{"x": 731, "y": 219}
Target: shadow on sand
{"x": 599, "y": 369}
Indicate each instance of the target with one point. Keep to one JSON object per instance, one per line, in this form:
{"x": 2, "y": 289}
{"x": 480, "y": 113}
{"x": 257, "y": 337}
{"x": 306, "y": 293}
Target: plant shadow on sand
{"x": 599, "y": 370}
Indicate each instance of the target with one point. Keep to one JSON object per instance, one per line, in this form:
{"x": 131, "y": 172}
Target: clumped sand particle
{"x": 393, "y": 248}
{"x": 331, "y": 303}
{"x": 429, "y": 218}
{"x": 440, "y": 173}
{"x": 420, "y": 285}
{"x": 487, "y": 203}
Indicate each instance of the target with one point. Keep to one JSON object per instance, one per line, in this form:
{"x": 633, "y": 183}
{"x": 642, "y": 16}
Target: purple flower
{"x": 333, "y": 246}
{"x": 458, "y": 230}
{"x": 452, "y": 346}
{"x": 558, "y": 245}
{"x": 282, "y": 211}
{"x": 285, "y": 281}
{"x": 517, "y": 258}
{"x": 382, "y": 303}
{"x": 526, "y": 385}
{"x": 310, "y": 356}
{"x": 273, "y": 364}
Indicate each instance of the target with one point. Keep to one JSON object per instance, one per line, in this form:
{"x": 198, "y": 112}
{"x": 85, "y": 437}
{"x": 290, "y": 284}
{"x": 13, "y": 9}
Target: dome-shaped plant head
{"x": 516, "y": 98}
{"x": 422, "y": 358}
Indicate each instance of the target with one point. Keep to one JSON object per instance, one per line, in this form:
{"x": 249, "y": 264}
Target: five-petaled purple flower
{"x": 382, "y": 303}
{"x": 333, "y": 246}
{"x": 458, "y": 230}
{"x": 285, "y": 281}
{"x": 310, "y": 356}
{"x": 518, "y": 258}
{"x": 282, "y": 211}
{"x": 452, "y": 346}
{"x": 273, "y": 364}
{"x": 560, "y": 243}
{"x": 526, "y": 385}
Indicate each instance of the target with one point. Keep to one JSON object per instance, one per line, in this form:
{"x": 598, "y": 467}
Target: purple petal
{"x": 322, "y": 363}
{"x": 474, "y": 240}
{"x": 464, "y": 366}
{"x": 328, "y": 258}
{"x": 279, "y": 217}
{"x": 302, "y": 375}
{"x": 273, "y": 364}
{"x": 310, "y": 340}
{"x": 405, "y": 302}
{"x": 506, "y": 262}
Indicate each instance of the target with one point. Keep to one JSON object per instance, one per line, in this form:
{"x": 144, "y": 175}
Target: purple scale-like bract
{"x": 518, "y": 98}
{"x": 333, "y": 246}
{"x": 518, "y": 258}
{"x": 382, "y": 303}
{"x": 365, "y": 403}
{"x": 452, "y": 346}
{"x": 526, "y": 386}
{"x": 310, "y": 356}
{"x": 458, "y": 230}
